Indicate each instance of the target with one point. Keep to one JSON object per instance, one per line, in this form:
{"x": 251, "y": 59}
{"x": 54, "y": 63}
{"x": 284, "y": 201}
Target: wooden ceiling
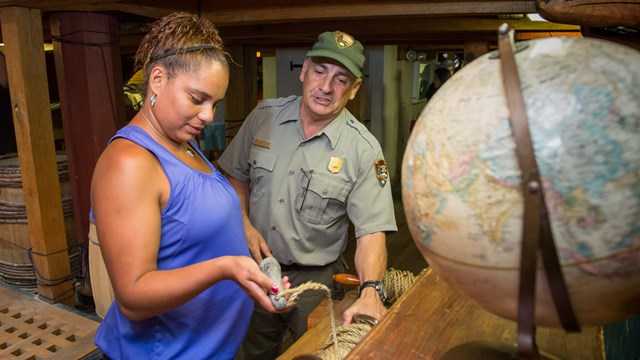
{"x": 269, "y": 24}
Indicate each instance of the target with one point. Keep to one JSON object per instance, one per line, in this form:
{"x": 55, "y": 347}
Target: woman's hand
{"x": 257, "y": 285}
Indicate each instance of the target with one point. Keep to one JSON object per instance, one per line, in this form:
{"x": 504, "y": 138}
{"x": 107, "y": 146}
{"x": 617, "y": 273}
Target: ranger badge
{"x": 335, "y": 165}
{"x": 344, "y": 40}
{"x": 382, "y": 173}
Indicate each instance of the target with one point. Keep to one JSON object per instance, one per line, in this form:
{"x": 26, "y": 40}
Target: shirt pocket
{"x": 261, "y": 165}
{"x": 324, "y": 200}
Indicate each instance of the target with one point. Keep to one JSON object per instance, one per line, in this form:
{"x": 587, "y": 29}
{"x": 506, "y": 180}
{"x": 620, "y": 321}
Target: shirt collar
{"x": 291, "y": 112}
{"x": 332, "y": 131}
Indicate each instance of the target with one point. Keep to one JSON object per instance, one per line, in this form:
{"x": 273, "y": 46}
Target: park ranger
{"x": 303, "y": 167}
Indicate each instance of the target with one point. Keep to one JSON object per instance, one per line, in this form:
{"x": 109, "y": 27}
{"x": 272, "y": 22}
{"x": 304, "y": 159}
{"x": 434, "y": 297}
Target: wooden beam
{"x": 238, "y": 13}
{"x": 22, "y": 29}
{"x": 156, "y": 9}
{"x": 48, "y": 4}
{"x": 416, "y": 30}
{"x": 595, "y": 13}
{"x": 251, "y": 11}
{"x": 294, "y": 23}
{"x": 149, "y": 8}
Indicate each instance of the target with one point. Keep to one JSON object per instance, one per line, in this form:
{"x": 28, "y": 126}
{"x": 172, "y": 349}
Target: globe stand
{"x": 536, "y": 234}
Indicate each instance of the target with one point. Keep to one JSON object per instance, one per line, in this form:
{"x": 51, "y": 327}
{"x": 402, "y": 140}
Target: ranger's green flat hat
{"x": 341, "y": 47}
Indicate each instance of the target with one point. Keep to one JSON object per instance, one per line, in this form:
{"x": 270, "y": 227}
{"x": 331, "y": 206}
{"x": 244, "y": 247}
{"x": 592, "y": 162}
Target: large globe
{"x": 461, "y": 179}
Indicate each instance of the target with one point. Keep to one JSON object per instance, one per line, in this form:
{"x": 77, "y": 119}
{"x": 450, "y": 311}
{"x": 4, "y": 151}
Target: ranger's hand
{"x": 257, "y": 245}
{"x": 369, "y": 303}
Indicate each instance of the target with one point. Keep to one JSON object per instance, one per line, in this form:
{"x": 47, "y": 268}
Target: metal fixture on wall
{"x": 413, "y": 55}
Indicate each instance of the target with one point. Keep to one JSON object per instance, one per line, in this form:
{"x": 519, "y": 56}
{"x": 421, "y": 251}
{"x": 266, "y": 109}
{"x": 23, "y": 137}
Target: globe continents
{"x": 461, "y": 180}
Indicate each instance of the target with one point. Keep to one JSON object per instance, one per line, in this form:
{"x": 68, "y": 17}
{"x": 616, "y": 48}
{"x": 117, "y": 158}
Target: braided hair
{"x": 180, "y": 42}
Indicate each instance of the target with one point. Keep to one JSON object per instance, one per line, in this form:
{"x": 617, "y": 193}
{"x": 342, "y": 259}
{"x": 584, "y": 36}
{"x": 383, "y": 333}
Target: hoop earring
{"x": 153, "y": 100}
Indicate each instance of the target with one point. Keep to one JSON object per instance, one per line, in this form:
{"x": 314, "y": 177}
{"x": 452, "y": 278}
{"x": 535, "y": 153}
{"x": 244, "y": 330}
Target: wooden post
{"x": 89, "y": 72}
{"x": 474, "y": 49}
{"x": 22, "y": 32}
{"x": 242, "y": 94}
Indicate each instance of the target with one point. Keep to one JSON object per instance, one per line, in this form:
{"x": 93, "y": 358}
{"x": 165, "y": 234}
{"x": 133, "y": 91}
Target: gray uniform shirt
{"x": 303, "y": 192}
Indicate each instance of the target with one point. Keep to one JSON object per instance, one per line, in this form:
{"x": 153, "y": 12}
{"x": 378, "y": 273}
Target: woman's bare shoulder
{"x": 127, "y": 167}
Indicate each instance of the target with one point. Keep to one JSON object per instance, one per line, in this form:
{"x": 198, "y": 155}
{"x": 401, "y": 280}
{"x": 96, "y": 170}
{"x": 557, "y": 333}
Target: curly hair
{"x": 180, "y": 42}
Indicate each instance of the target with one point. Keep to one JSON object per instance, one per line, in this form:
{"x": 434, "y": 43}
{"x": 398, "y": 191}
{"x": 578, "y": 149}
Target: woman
{"x": 169, "y": 224}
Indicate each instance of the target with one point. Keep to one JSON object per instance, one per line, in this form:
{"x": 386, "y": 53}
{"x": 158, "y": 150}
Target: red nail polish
{"x": 275, "y": 290}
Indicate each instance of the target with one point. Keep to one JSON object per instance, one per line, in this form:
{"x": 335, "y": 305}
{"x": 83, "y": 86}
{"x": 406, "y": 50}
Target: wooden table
{"x": 431, "y": 318}
{"x": 319, "y": 327}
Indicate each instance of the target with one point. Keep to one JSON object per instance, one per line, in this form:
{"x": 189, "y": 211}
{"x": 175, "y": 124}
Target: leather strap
{"x": 536, "y": 230}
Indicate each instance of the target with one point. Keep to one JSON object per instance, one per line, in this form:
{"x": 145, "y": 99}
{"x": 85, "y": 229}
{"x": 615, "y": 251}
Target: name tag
{"x": 262, "y": 143}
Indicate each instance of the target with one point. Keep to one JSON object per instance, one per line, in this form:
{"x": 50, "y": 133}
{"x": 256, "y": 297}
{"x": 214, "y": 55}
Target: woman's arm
{"x": 129, "y": 190}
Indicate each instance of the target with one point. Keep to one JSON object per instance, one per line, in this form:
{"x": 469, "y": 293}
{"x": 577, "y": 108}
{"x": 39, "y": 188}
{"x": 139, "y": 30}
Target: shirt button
{"x": 254, "y": 162}
{"x": 273, "y": 228}
{"x": 324, "y": 192}
{"x": 291, "y": 172}
{"x": 281, "y": 200}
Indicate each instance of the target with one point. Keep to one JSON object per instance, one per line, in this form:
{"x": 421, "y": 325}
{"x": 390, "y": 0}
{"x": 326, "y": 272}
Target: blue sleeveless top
{"x": 202, "y": 220}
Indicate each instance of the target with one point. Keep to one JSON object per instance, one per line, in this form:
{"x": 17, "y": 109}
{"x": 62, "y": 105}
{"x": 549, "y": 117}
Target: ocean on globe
{"x": 461, "y": 180}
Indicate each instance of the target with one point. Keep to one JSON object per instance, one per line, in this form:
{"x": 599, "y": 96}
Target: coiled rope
{"x": 345, "y": 337}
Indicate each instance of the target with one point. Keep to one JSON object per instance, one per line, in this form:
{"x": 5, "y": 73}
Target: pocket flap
{"x": 329, "y": 188}
{"x": 262, "y": 159}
